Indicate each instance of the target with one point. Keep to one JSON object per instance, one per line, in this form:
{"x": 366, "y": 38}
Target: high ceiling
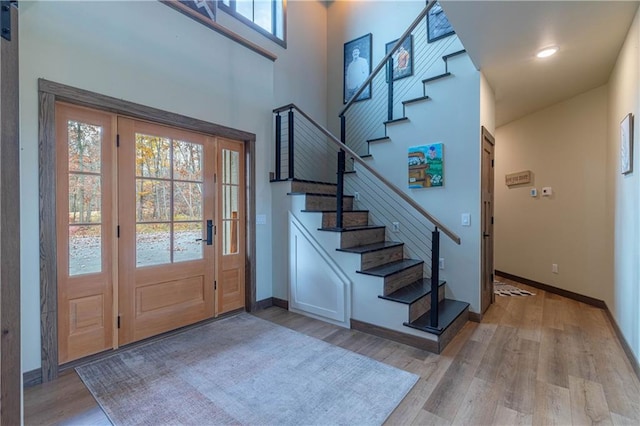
{"x": 502, "y": 38}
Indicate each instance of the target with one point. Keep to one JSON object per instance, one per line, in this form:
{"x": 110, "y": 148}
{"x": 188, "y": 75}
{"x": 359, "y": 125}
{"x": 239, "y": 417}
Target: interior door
{"x": 232, "y": 225}
{"x": 486, "y": 295}
{"x": 85, "y": 144}
{"x": 166, "y": 223}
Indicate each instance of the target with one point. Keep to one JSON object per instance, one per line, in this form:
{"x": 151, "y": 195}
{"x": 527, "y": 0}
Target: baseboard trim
{"x": 272, "y": 301}
{"x": 635, "y": 364}
{"x": 281, "y": 303}
{"x": 32, "y": 378}
{"x": 264, "y": 303}
{"x": 396, "y": 336}
{"x": 475, "y": 317}
{"x": 555, "y": 290}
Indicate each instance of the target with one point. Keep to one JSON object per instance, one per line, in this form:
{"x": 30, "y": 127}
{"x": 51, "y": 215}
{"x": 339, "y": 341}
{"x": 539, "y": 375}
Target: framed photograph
{"x": 426, "y": 165}
{"x": 200, "y": 10}
{"x": 357, "y": 67}
{"x": 402, "y": 58}
{"x": 438, "y": 25}
{"x": 626, "y": 144}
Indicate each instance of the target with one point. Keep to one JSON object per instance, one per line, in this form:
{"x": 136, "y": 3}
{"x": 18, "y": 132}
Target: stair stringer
{"x": 366, "y": 306}
{"x": 451, "y": 117}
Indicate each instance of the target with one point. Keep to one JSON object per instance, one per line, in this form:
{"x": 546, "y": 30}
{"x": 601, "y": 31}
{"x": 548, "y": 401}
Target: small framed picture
{"x": 357, "y": 67}
{"x": 626, "y": 144}
{"x": 438, "y": 25}
{"x": 402, "y": 58}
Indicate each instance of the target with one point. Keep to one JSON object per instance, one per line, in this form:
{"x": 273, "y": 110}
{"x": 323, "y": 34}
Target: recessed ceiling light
{"x": 547, "y": 51}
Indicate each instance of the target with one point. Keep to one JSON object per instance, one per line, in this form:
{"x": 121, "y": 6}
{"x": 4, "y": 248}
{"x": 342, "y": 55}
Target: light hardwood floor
{"x": 540, "y": 360}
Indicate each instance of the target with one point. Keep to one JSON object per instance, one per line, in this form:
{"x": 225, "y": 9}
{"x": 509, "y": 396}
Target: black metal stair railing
{"x": 363, "y": 120}
{"x": 307, "y": 137}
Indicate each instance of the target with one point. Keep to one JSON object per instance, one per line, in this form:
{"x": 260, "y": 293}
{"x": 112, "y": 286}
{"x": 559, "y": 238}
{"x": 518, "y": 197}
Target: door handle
{"x": 209, "y": 239}
{"x": 485, "y": 235}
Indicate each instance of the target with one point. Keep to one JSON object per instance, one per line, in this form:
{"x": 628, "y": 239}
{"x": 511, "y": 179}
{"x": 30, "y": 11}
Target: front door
{"x": 149, "y": 239}
{"x": 486, "y": 295}
{"x": 166, "y": 213}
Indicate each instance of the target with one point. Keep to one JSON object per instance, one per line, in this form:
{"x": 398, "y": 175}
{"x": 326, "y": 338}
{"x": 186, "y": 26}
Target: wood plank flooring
{"x": 535, "y": 360}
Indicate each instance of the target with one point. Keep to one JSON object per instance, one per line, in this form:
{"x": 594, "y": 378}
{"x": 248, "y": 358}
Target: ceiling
{"x": 502, "y": 37}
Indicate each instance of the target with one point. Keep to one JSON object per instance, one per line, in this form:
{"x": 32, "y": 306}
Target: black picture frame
{"x": 438, "y": 25}
{"x": 355, "y": 66}
{"x": 402, "y": 58}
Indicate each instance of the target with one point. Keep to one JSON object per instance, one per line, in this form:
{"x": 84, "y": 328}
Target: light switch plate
{"x": 533, "y": 192}
{"x": 466, "y": 219}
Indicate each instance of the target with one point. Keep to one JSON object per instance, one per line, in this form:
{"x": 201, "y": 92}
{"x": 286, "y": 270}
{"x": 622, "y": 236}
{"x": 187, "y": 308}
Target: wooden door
{"x": 85, "y": 145}
{"x": 165, "y": 204}
{"x": 486, "y": 295}
{"x": 230, "y": 293}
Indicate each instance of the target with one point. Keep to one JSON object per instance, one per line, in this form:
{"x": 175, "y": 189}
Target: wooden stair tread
{"x": 451, "y": 55}
{"x": 436, "y": 77}
{"x": 384, "y": 138}
{"x": 396, "y": 120}
{"x": 303, "y": 181}
{"x": 412, "y": 292}
{"x": 391, "y": 268}
{"x": 371, "y": 247}
{"x": 315, "y": 194}
{"x": 410, "y": 101}
{"x": 333, "y": 211}
{"x": 351, "y": 228}
{"x": 448, "y": 311}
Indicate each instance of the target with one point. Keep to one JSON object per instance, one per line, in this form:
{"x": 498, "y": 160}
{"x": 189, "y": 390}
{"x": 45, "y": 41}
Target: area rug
{"x": 244, "y": 370}
{"x": 502, "y": 289}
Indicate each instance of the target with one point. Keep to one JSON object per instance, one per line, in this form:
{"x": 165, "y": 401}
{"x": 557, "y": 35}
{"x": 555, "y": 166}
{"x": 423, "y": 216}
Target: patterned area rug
{"x": 502, "y": 289}
{"x": 244, "y": 370}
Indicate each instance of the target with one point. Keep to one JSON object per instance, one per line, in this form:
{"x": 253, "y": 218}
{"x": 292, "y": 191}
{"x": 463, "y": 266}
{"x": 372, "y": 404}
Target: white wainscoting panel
{"x": 317, "y": 285}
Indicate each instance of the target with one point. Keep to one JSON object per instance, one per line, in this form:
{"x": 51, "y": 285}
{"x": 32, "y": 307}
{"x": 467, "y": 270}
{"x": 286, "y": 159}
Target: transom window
{"x": 265, "y": 16}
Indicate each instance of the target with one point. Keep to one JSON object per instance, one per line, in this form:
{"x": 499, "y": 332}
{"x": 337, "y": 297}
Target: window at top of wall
{"x": 268, "y": 17}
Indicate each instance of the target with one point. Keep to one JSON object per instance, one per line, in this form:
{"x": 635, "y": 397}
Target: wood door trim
{"x": 10, "y": 386}
{"x": 49, "y": 93}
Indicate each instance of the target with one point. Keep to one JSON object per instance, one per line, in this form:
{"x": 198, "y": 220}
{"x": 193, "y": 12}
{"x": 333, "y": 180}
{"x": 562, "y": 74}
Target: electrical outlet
{"x": 396, "y": 226}
{"x": 554, "y": 268}
{"x": 356, "y": 196}
{"x": 441, "y": 263}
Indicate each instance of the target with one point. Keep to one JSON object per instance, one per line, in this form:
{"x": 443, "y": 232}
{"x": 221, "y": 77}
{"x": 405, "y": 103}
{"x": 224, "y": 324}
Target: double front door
{"x": 150, "y": 229}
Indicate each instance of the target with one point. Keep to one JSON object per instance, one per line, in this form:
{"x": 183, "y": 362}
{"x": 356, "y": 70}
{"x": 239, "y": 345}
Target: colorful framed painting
{"x": 402, "y": 58}
{"x": 426, "y": 166}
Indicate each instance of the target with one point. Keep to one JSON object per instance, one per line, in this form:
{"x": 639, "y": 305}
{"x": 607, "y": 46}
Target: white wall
{"x": 487, "y": 105}
{"x": 623, "y": 201}
{"x": 146, "y": 52}
{"x": 564, "y": 146}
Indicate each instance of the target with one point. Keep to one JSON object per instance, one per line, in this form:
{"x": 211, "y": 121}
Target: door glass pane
{"x": 185, "y": 246}
{"x": 84, "y": 147}
{"x": 85, "y": 249}
{"x": 230, "y": 166}
{"x": 245, "y": 8}
{"x": 230, "y": 236}
{"x": 153, "y": 156}
{"x": 230, "y": 202}
{"x": 84, "y": 198}
{"x": 187, "y": 201}
{"x": 153, "y": 200}
{"x": 187, "y": 161}
{"x": 153, "y": 244}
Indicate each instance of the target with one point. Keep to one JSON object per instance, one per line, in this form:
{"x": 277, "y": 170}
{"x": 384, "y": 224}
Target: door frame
{"x": 10, "y": 372}
{"x": 484, "y": 304}
{"x": 48, "y": 94}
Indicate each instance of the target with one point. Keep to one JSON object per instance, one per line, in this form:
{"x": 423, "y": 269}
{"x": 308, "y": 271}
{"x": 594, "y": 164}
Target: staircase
{"x": 345, "y": 266}
{"x": 401, "y": 280}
